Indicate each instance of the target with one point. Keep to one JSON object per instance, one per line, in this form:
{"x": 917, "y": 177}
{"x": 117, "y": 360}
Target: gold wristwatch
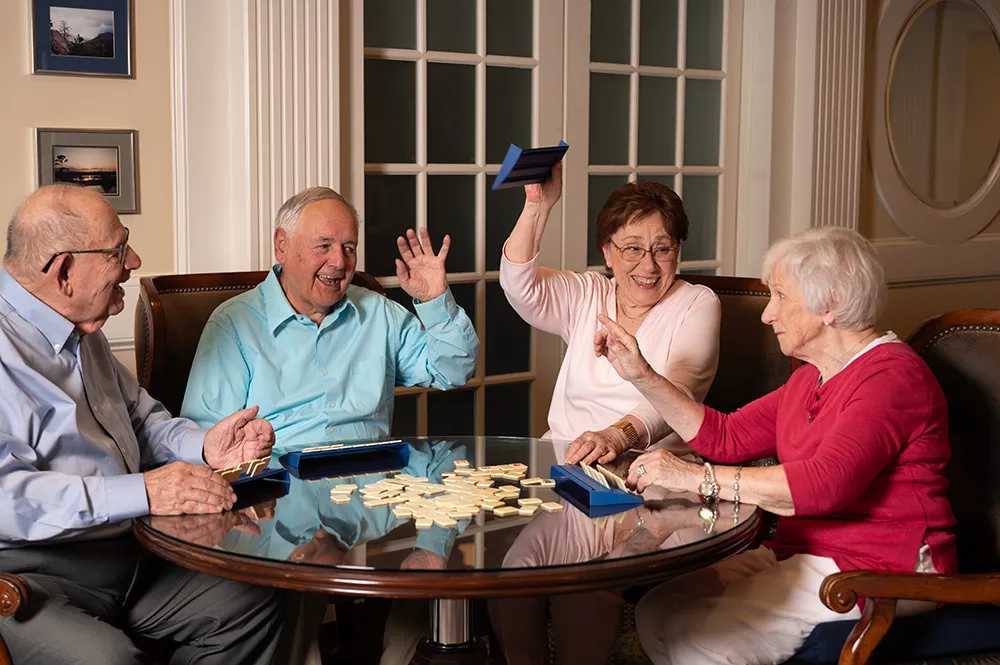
{"x": 625, "y": 426}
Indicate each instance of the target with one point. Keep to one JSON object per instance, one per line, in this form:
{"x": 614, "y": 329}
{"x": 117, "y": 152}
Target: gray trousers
{"x": 89, "y": 601}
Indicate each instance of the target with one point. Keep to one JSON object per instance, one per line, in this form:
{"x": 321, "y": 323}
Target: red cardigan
{"x": 864, "y": 456}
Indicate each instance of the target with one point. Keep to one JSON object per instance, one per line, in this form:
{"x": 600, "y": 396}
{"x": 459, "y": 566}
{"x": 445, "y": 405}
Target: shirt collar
{"x": 278, "y": 310}
{"x": 57, "y": 330}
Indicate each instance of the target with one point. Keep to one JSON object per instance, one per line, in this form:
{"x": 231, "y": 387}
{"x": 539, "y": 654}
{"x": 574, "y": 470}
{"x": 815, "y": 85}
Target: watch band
{"x": 625, "y": 426}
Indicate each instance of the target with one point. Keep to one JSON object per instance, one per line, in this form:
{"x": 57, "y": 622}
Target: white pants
{"x": 748, "y": 610}
{"x": 751, "y": 609}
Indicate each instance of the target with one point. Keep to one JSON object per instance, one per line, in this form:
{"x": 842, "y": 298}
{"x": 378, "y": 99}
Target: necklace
{"x": 630, "y": 317}
{"x": 850, "y": 353}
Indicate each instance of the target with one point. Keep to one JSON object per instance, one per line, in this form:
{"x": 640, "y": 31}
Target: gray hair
{"x": 291, "y": 210}
{"x": 45, "y": 223}
{"x": 837, "y": 270}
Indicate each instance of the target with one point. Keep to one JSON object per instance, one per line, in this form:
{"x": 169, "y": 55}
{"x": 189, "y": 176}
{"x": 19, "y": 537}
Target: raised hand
{"x": 547, "y": 193}
{"x": 621, "y": 350}
{"x": 421, "y": 272}
{"x": 180, "y": 488}
{"x": 238, "y": 438}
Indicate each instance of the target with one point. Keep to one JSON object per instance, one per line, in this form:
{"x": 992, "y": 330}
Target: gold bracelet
{"x": 625, "y": 426}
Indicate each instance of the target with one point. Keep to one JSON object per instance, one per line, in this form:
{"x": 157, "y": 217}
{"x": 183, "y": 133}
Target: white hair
{"x": 291, "y": 210}
{"x": 837, "y": 270}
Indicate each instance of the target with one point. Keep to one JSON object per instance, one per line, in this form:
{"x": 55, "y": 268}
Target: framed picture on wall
{"x": 82, "y": 37}
{"x": 103, "y": 160}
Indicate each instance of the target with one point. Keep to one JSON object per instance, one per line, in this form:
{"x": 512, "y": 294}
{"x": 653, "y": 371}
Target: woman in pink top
{"x": 861, "y": 435}
{"x": 640, "y": 230}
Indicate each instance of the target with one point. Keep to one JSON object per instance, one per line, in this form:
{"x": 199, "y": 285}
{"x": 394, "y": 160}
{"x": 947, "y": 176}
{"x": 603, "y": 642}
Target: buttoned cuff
{"x": 442, "y": 309}
{"x": 125, "y": 496}
{"x": 438, "y": 540}
{"x": 192, "y": 444}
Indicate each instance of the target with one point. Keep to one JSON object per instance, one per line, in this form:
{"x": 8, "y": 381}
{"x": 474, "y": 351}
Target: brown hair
{"x": 638, "y": 199}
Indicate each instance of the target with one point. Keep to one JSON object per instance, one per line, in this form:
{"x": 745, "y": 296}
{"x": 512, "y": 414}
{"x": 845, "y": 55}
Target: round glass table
{"x": 291, "y": 533}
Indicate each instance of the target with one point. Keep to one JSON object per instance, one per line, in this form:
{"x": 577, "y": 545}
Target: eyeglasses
{"x": 636, "y": 254}
{"x": 120, "y": 250}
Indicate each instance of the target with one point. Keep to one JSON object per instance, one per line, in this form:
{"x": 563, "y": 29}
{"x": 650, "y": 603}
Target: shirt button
{"x": 324, "y": 371}
{"x": 329, "y": 429}
{"x": 57, "y": 347}
{"x": 331, "y": 406}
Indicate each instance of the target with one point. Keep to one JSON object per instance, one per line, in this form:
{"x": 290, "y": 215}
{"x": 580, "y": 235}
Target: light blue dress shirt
{"x": 332, "y": 381}
{"x": 75, "y": 429}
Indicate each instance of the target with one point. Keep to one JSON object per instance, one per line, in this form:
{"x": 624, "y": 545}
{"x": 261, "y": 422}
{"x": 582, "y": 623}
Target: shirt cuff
{"x": 442, "y": 309}
{"x": 436, "y": 539}
{"x": 125, "y": 496}
{"x": 192, "y": 444}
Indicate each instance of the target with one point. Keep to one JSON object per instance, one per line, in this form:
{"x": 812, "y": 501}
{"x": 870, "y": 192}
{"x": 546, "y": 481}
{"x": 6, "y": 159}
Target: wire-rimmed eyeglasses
{"x": 633, "y": 254}
{"x": 120, "y": 250}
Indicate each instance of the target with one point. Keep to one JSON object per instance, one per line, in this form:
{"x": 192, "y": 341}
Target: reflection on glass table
{"x": 365, "y": 546}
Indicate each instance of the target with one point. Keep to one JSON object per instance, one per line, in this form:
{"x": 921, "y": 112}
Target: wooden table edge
{"x": 362, "y": 582}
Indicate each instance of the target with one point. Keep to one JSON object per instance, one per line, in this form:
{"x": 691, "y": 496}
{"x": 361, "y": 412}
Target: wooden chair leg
{"x": 13, "y": 594}
{"x": 868, "y": 632}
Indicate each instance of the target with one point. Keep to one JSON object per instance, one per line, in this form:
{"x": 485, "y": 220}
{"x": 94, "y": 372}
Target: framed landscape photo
{"x": 103, "y": 160}
{"x": 85, "y": 37}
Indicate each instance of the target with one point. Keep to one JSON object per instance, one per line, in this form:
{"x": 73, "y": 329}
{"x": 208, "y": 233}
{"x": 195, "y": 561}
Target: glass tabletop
{"x": 316, "y": 519}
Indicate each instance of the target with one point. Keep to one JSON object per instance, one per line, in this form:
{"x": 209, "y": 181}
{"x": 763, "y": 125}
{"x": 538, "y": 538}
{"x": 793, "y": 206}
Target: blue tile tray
{"x": 347, "y": 459}
{"x": 528, "y": 166}
{"x": 588, "y": 495}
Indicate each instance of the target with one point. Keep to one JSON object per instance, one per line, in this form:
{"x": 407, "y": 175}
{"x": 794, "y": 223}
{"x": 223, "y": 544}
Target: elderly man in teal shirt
{"x": 320, "y": 356}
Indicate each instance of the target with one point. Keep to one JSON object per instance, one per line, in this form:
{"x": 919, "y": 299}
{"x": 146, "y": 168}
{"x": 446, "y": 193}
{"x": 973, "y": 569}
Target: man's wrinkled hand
{"x": 180, "y": 488}
{"x": 238, "y": 438}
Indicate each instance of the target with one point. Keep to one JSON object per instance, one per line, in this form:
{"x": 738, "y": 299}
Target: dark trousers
{"x": 90, "y": 600}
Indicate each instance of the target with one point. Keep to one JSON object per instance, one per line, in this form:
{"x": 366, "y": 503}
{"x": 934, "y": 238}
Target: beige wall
{"x": 142, "y": 103}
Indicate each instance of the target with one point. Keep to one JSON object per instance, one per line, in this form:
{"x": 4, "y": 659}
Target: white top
{"x": 679, "y": 338}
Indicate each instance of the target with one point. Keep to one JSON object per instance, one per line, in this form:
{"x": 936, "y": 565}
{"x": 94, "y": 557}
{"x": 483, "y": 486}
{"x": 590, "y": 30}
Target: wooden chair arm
{"x": 841, "y": 591}
{"x": 13, "y": 594}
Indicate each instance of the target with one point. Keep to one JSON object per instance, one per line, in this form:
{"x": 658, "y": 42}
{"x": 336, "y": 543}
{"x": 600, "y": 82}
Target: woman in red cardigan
{"x": 861, "y": 436}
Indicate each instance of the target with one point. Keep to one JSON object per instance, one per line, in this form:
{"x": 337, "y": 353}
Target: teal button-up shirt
{"x": 332, "y": 381}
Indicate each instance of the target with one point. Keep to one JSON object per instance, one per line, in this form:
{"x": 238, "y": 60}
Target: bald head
{"x": 54, "y": 218}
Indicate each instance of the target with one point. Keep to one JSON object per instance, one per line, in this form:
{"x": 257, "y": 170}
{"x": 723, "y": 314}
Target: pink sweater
{"x": 867, "y": 474}
{"x": 679, "y": 338}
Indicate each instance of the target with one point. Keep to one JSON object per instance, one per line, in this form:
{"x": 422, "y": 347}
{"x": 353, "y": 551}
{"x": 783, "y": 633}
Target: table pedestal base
{"x": 451, "y": 641}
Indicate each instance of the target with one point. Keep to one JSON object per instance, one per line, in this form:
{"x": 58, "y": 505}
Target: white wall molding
{"x": 827, "y": 103}
{"x": 753, "y": 203}
{"x": 178, "y": 96}
{"x": 911, "y": 262}
{"x": 840, "y": 57}
{"x": 294, "y": 102}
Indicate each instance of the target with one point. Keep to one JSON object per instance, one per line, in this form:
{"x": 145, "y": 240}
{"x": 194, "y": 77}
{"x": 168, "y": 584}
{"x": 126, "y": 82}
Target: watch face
{"x": 706, "y": 488}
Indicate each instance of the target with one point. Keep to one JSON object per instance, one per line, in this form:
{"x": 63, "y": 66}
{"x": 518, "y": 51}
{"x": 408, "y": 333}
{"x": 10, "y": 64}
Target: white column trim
{"x": 753, "y": 206}
{"x": 840, "y": 57}
{"x": 178, "y": 96}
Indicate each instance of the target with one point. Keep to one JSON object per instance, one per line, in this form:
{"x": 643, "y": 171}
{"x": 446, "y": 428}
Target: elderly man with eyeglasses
{"x": 85, "y": 449}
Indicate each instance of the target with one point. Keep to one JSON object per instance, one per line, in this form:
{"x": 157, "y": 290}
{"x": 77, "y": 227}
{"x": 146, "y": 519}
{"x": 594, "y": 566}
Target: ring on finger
{"x": 641, "y": 470}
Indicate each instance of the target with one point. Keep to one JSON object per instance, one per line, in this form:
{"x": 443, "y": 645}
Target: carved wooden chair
{"x": 171, "y": 313}
{"x": 962, "y": 348}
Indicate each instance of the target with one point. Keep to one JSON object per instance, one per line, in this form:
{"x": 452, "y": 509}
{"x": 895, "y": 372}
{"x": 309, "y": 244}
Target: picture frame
{"x": 82, "y": 37}
{"x": 104, "y": 160}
